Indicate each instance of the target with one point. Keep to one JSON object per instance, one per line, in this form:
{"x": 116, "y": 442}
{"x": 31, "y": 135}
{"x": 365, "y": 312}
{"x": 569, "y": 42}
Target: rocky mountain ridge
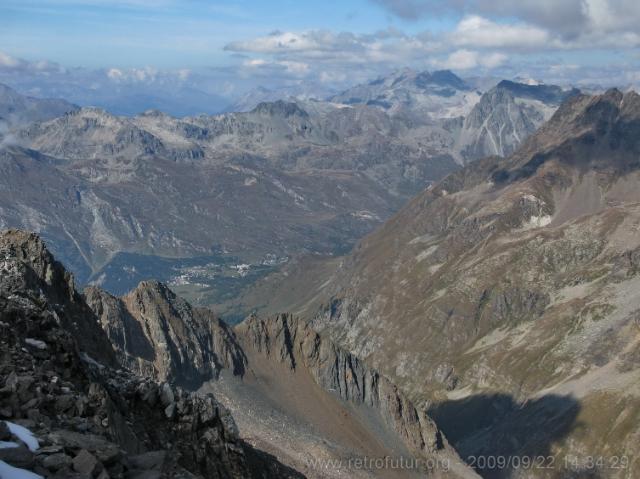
{"x": 293, "y": 342}
{"x": 210, "y": 203}
{"x": 89, "y": 419}
{"x": 510, "y": 288}
{"x": 505, "y": 116}
{"x": 303, "y": 91}
{"x": 173, "y": 333}
{"x": 158, "y": 334}
{"x": 439, "y": 94}
{"x": 127, "y": 425}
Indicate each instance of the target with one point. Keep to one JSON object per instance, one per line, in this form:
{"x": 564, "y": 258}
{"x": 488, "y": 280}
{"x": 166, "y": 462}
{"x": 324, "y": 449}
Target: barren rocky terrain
{"x": 504, "y": 298}
{"x": 68, "y": 410}
{"x": 209, "y": 204}
{"x": 121, "y": 387}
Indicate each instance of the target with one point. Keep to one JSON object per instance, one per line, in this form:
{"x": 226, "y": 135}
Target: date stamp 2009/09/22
{"x": 569, "y": 462}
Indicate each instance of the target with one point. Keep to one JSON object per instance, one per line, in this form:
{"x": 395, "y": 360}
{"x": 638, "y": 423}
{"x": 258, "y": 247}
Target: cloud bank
{"x": 578, "y": 42}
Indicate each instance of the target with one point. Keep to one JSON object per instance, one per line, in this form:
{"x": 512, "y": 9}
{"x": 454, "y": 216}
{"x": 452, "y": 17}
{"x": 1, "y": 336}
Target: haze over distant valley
{"x": 211, "y": 203}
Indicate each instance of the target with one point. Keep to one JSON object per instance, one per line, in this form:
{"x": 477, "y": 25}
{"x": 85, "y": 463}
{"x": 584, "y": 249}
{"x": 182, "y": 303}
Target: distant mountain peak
{"x": 17, "y": 109}
{"x": 538, "y": 91}
{"x": 280, "y": 108}
{"x": 92, "y": 111}
{"x": 448, "y": 78}
{"x": 422, "y": 79}
{"x": 438, "y": 94}
{"x": 154, "y": 113}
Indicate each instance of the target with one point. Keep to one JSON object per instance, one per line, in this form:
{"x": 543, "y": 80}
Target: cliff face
{"x": 28, "y": 267}
{"x": 505, "y": 117}
{"x": 155, "y": 332}
{"x": 273, "y": 366}
{"x": 89, "y": 418}
{"x": 293, "y": 342}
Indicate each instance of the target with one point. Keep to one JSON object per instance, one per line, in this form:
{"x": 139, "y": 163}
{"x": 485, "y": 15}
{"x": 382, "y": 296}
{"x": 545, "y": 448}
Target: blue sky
{"x": 49, "y": 46}
{"x": 174, "y": 34}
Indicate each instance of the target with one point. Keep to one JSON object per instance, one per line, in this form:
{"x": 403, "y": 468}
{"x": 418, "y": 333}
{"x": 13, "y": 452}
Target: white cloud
{"x": 476, "y": 42}
{"x": 612, "y": 15}
{"x": 459, "y": 60}
{"x": 115, "y": 74}
{"x": 480, "y": 32}
{"x": 7, "y": 61}
{"x": 146, "y": 75}
{"x": 564, "y": 20}
{"x": 295, "y": 68}
{"x": 468, "y": 59}
{"x": 322, "y": 46}
{"x": 277, "y": 42}
{"x": 493, "y": 60}
{"x": 332, "y": 57}
{"x": 10, "y": 63}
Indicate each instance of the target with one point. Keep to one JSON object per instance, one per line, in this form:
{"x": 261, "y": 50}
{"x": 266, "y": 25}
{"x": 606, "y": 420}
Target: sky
{"x": 226, "y": 48}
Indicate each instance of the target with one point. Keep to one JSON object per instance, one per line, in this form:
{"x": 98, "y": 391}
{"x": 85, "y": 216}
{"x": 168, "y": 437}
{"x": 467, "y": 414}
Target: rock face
{"x": 479, "y": 124}
{"x": 292, "y": 341}
{"x": 505, "y": 116}
{"x": 158, "y": 334}
{"x": 28, "y": 267}
{"x": 161, "y": 336}
{"x": 87, "y": 417}
{"x": 509, "y": 291}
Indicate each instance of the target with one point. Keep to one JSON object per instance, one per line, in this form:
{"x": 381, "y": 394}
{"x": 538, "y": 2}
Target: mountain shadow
{"x": 496, "y": 435}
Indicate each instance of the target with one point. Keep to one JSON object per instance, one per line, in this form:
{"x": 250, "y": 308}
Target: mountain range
{"x": 303, "y": 91}
{"x": 210, "y": 203}
{"x": 419, "y": 274}
{"x": 440, "y": 94}
{"x": 147, "y": 386}
{"x": 504, "y": 298}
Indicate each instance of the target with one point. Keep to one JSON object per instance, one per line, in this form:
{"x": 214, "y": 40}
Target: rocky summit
{"x": 504, "y": 299}
{"x": 70, "y": 411}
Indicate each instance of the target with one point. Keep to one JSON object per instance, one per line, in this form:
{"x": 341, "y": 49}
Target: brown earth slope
{"x": 506, "y": 297}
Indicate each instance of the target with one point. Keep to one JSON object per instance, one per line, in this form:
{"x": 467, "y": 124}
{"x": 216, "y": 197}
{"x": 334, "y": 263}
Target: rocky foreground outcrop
{"x": 107, "y": 385}
{"x": 90, "y": 419}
